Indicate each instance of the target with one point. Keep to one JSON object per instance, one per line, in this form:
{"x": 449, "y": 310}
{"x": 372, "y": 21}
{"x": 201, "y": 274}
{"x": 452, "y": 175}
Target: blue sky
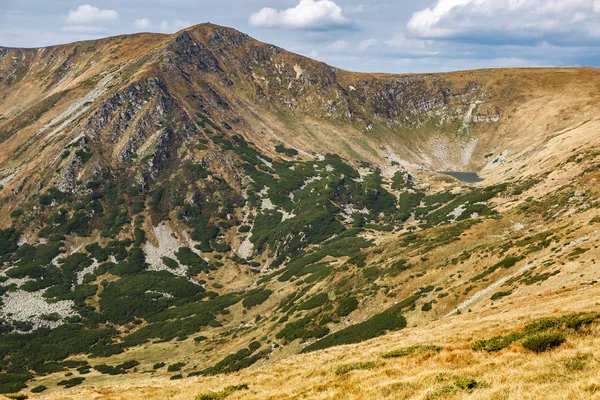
{"x": 379, "y": 36}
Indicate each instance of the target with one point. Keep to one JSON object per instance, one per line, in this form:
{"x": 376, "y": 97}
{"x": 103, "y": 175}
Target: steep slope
{"x": 212, "y": 202}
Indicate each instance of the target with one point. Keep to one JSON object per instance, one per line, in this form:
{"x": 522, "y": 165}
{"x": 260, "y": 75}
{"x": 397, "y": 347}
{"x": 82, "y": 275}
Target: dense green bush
{"x": 169, "y": 262}
{"x": 175, "y": 367}
{"x": 69, "y": 383}
{"x": 38, "y": 389}
{"x": 407, "y": 351}
{"x": 256, "y": 297}
{"x": 222, "y": 394}
{"x": 104, "y": 349}
{"x": 235, "y": 362}
{"x": 545, "y": 341}
{"x": 140, "y": 295}
{"x": 344, "y": 369}
{"x": 8, "y": 241}
{"x": 284, "y": 150}
{"x": 313, "y": 302}
{"x": 303, "y": 328}
{"x": 497, "y": 343}
{"x": 192, "y": 260}
{"x": 346, "y": 306}
{"x": 499, "y": 295}
{"x": 389, "y": 320}
{"x": 555, "y": 327}
{"x": 13, "y": 382}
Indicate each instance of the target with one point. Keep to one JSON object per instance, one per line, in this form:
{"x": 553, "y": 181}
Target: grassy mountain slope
{"x": 202, "y": 203}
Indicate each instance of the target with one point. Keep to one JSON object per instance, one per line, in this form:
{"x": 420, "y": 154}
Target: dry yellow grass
{"x": 569, "y": 372}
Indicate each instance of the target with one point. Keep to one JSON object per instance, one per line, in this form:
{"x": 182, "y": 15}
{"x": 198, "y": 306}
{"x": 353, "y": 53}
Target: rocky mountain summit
{"x": 197, "y": 204}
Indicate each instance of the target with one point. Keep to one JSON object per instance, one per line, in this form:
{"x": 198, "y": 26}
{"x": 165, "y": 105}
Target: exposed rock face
{"x": 68, "y": 175}
{"x": 185, "y": 51}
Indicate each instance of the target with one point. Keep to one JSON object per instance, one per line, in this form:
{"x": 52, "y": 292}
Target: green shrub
{"x": 158, "y": 365}
{"x": 109, "y": 370}
{"x": 69, "y": 383}
{"x": 407, "y": 351}
{"x": 175, "y": 367}
{"x": 191, "y": 259}
{"x": 303, "y": 328}
{"x": 38, "y": 389}
{"x": 170, "y": 263}
{"x": 314, "y": 301}
{"x": 139, "y": 235}
{"x": 497, "y": 343}
{"x": 17, "y": 396}
{"x": 235, "y": 362}
{"x": 543, "y": 341}
{"x": 346, "y": 306}
{"x": 549, "y": 326}
{"x": 284, "y": 150}
{"x": 222, "y": 394}
{"x": 256, "y": 297}
{"x": 499, "y": 295}
{"x": 128, "y": 364}
{"x": 344, "y": 369}
{"x": 468, "y": 384}
{"x": 389, "y": 320}
{"x": 175, "y": 377}
{"x": 253, "y": 346}
{"x": 244, "y": 228}
{"x": 578, "y": 362}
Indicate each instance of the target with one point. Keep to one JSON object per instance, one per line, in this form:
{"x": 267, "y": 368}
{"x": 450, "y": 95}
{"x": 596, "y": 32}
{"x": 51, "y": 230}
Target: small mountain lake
{"x": 467, "y": 177}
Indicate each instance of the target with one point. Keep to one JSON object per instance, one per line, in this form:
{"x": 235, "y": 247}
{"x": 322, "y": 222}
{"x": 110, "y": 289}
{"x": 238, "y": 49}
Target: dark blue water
{"x": 467, "y": 177}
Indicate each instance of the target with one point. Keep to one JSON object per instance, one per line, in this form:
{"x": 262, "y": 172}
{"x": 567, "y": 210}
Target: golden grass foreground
{"x": 360, "y": 372}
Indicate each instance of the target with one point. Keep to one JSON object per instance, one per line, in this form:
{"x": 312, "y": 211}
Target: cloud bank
{"x": 308, "y": 14}
{"x": 519, "y": 22}
{"x": 87, "y": 14}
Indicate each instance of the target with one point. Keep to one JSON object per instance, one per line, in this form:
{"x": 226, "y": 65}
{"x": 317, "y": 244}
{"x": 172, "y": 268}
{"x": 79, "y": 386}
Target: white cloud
{"x": 164, "y": 26}
{"x": 87, "y": 14}
{"x": 367, "y": 44}
{"x": 356, "y": 9}
{"x": 142, "y": 24}
{"x": 179, "y": 24}
{"x": 508, "y": 21}
{"x": 308, "y": 14}
{"x": 338, "y": 46}
{"x": 414, "y": 47}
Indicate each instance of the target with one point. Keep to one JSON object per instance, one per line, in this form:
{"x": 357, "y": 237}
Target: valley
{"x": 202, "y": 214}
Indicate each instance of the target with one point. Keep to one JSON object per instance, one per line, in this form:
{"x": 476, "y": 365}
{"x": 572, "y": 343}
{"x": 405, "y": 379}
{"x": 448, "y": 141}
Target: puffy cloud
{"x": 308, "y": 14}
{"x": 367, "y": 44}
{"x": 142, "y": 24}
{"x": 338, "y": 46}
{"x": 509, "y": 21}
{"x": 87, "y": 14}
{"x": 415, "y": 47}
{"x": 179, "y": 24}
{"x": 164, "y": 26}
